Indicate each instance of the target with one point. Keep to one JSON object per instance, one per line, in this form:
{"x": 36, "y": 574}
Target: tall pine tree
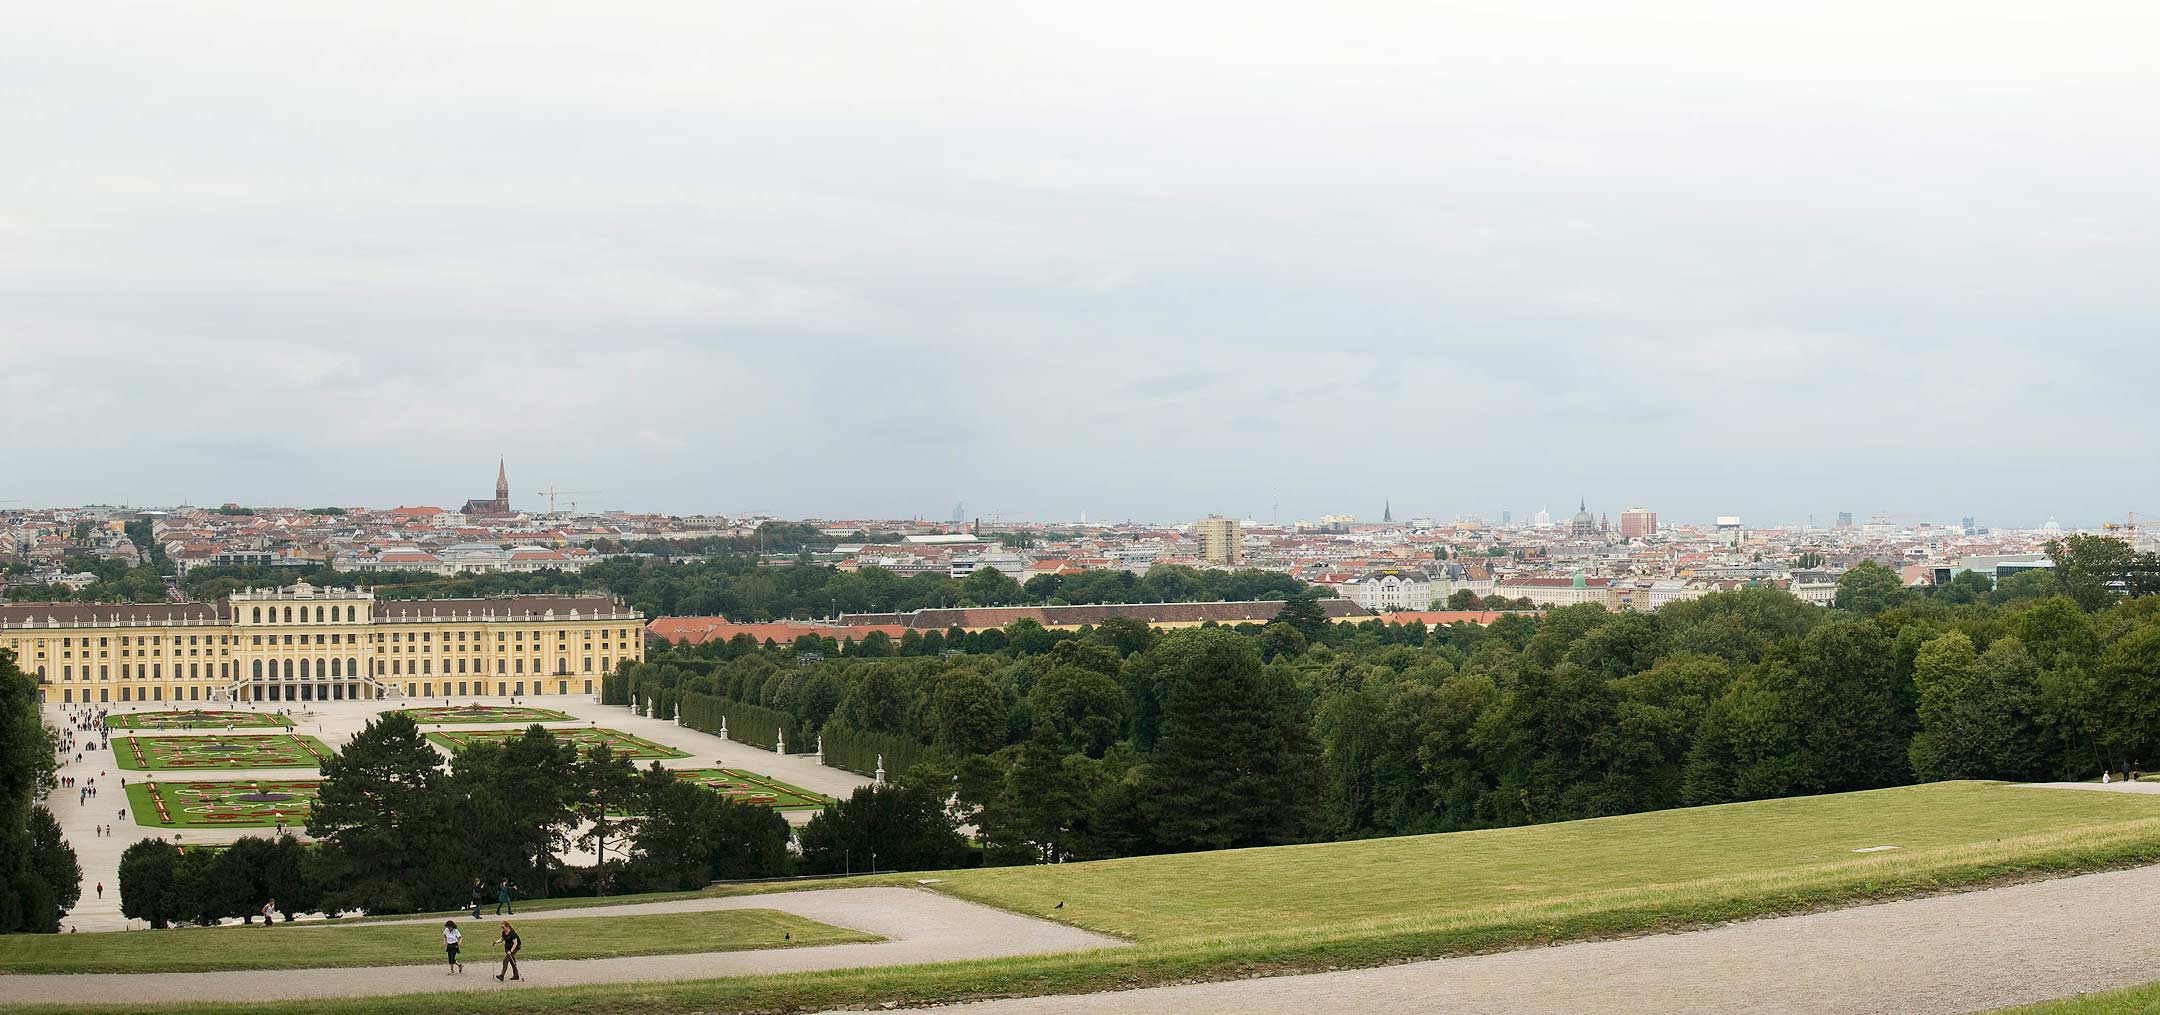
{"x": 1235, "y": 763}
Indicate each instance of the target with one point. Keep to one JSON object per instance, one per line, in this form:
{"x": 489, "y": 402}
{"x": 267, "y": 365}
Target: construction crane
{"x": 2128, "y": 527}
{"x": 551, "y": 493}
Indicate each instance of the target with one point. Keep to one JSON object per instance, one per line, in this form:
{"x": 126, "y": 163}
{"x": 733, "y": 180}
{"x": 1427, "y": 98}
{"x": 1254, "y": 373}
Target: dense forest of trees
{"x": 736, "y": 586}
{"x": 724, "y": 583}
{"x": 1120, "y": 740}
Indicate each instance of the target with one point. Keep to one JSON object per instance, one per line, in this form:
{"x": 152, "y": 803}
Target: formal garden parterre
{"x": 241, "y": 803}
{"x": 587, "y": 740}
{"x": 195, "y": 719}
{"x": 441, "y": 714}
{"x": 752, "y": 788}
{"x": 284, "y": 750}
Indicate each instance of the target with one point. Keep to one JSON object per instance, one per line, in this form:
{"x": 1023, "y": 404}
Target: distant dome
{"x": 1584, "y": 523}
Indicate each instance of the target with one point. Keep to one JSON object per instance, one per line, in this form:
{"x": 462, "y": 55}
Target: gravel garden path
{"x": 918, "y": 926}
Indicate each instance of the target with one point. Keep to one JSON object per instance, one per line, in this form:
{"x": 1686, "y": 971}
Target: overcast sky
{"x": 1136, "y": 260}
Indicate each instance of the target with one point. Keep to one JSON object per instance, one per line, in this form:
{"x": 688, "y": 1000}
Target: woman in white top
{"x": 450, "y": 938}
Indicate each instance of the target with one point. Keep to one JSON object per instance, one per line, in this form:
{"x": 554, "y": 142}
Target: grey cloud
{"x": 1143, "y": 262}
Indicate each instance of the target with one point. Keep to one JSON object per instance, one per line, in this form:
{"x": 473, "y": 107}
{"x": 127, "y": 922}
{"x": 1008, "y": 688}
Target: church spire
{"x": 1387, "y": 511}
{"x": 502, "y": 481}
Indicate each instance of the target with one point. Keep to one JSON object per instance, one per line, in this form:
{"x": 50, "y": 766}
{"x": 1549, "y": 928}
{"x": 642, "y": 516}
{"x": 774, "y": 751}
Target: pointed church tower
{"x": 1387, "y": 511}
{"x": 502, "y": 481}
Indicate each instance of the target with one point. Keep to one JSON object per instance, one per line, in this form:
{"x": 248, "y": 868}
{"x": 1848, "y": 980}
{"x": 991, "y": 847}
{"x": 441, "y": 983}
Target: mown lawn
{"x": 315, "y": 945}
{"x": 1431, "y": 876}
{"x": 1344, "y": 905}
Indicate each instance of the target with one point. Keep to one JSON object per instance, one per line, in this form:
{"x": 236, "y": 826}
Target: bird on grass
{"x": 787, "y": 935}
{"x": 1060, "y": 905}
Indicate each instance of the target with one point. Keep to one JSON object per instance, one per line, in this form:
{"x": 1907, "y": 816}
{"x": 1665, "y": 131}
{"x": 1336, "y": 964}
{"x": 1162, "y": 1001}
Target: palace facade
{"x": 304, "y": 643}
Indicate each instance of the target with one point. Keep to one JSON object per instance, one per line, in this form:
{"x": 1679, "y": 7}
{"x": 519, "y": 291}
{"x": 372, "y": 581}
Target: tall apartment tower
{"x": 1218, "y": 539}
{"x": 1635, "y": 523}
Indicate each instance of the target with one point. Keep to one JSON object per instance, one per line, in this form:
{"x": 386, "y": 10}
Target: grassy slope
{"x": 1262, "y": 890}
{"x": 301, "y": 946}
{"x": 1353, "y": 904}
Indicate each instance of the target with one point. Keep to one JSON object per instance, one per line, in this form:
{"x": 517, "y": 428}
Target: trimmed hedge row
{"x": 858, "y": 750}
{"x": 755, "y": 725}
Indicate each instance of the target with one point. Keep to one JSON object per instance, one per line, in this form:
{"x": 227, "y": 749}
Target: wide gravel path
{"x": 1950, "y": 953}
{"x": 918, "y": 927}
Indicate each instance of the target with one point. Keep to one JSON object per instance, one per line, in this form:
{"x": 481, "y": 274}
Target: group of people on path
{"x": 502, "y": 898}
{"x": 2131, "y": 771}
{"x": 508, "y": 938}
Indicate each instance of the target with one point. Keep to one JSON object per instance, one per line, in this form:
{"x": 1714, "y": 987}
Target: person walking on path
{"x": 451, "y": 936}
{"x": 478, "y": 894}
{"x": 100, "y": 889}
{"x": 269, "y": 912}
{"x": 511, "y": 945}
{"x": 502, "y": 899}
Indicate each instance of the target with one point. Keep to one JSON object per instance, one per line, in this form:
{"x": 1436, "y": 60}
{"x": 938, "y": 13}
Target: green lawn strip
{"x": 1177, "y": 944}
{"x": 2143, "y": 999}
{"x": 304, "y": 946}
{"x": 542, "y": 905}
{"x": 195, "y": 720}
{"x": 159, "y": 753}
{"x": 145, "y": 812}
{"x": 589, "y": 901}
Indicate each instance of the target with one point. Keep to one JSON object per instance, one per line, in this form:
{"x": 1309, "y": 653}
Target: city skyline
{"x": 530, "y": 503}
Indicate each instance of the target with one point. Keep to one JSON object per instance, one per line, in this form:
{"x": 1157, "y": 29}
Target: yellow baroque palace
{"x": 304, "y": 643}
